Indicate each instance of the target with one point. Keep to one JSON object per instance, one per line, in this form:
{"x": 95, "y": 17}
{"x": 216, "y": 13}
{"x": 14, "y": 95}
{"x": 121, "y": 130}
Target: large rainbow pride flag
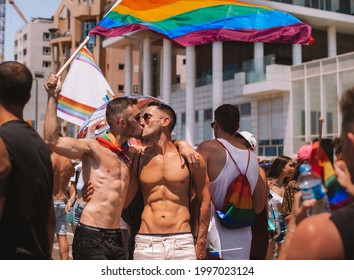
{"x": 194, "y": 22}
{"x": 84, "y": 89}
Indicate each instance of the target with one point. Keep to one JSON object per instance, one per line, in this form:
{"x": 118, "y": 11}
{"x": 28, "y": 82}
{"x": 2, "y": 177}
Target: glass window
{"x": 121, "y": 66}
{"x": 120, "y": 88}
{"x": 46, "y": 64}
{"x": 46, "y": 50}
{"x": 46, "y": 36}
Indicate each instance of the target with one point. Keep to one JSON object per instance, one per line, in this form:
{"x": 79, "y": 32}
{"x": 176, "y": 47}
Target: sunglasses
{"x": 136, "y": 117}
{"x": 147, "y": 116}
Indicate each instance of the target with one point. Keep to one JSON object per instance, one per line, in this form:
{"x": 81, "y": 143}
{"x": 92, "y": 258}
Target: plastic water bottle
{"x": 311, "y": 187}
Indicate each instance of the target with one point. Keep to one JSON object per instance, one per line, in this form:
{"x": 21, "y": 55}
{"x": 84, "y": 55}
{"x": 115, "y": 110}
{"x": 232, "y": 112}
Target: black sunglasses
{"x": 137, "y": 117}
{"x": 147, "y": 116}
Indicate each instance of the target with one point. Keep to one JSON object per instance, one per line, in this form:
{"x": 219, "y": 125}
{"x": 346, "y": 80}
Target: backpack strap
{"x": 248, "y": 161}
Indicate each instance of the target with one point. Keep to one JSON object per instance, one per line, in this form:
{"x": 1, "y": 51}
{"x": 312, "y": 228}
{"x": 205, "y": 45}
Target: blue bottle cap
{"x": 305, "y": 167}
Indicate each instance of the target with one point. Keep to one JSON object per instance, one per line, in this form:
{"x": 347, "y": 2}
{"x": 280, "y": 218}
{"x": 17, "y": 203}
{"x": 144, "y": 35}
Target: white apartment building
{"x": 281, "y": 89}
{"x": 31, "y": 47}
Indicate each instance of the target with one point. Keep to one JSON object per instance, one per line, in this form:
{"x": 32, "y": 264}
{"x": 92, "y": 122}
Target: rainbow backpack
{"x": 237, "y": 211}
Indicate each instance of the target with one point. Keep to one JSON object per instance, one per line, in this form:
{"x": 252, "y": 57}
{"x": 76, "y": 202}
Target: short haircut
{"x": 116, "y": 107}
{"x": 346, "y": 104}
{"x": 168, "y": 110}
{"x": 228, "y": 118}
{"x": 15, "y": 84}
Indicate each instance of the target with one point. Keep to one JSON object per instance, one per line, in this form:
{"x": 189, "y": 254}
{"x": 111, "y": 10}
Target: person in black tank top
{"x": 26, "y": 182}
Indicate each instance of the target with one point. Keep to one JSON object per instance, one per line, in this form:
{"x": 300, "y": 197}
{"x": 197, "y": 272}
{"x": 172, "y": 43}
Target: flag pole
{"x": 320, "y": 124}
{"x": 72, "y": 56}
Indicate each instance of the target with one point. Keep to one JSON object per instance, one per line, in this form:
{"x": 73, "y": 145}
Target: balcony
{"x": 338, "y": 6}
{"x": 82, "y": 10}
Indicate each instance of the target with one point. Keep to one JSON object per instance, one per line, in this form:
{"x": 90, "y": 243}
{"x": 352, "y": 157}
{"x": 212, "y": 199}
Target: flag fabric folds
{"x": 337, "y": 196}
{"x": 194, "y": 22}
{"x": 84, "y": 89}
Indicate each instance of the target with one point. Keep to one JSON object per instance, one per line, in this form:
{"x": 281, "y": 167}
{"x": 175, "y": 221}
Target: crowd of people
{"x": 161, "y": 200}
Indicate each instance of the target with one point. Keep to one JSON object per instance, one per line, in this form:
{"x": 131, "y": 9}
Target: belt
{"x": 102, "y": 230}
{"x": 164, "y": 234}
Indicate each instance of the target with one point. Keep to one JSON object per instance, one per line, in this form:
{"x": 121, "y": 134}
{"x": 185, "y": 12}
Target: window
{"x": 15, "y": 57}
{"x": 46, "y": 36}
{"x": 86, "y": 28}
{"x": 24, "y": 52}
{"x": 120, "y": 88}
{"x": 46, "y": 64}
{"x": 121, "y": 66}
{"x": 39, "y": 75}
{"x": 245, "y": 116}
{"x": 16, "y": 43}
{"x": 25, "y": 37}
{"x": 270, "y": 119}
{"x": 135, "y": 89}
{"x": 184, "y": 61}
{"x": 208, "y": 118}
{"x": 178, "y": 79}
{"x": 46, "y": 50}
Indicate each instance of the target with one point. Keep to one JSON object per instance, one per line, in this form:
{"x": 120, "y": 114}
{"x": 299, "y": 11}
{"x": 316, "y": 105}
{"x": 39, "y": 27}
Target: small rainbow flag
{"x": 337, "y": 196}
{"x": 84, "y": 89}
{"x": 195, "y": 22}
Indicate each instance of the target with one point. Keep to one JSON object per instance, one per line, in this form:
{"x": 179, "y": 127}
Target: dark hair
{"x": 346, "y": 104}
{"x": 277, "y": 166}
{"x": 15, "y": 83}
{"x": 228, "y": 118}
{"x": 117, "y": 106}
{"x": 168, "y": 110}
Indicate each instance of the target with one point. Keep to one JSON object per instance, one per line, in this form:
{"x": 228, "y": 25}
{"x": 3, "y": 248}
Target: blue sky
{"x": 30, "y": 9}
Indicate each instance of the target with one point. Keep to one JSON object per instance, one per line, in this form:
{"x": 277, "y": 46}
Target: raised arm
{"x": 201, "y": 184}
{"x": 66, "y": 146}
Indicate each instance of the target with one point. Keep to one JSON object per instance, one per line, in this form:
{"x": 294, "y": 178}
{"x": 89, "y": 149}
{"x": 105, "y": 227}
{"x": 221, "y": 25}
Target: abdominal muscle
{"x": 110, "y": 183}
{"x": 165, "y": 213}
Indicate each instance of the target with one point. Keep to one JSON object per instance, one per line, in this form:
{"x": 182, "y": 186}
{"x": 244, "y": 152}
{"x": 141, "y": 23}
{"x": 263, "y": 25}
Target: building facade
{"x": 31, "y": 47}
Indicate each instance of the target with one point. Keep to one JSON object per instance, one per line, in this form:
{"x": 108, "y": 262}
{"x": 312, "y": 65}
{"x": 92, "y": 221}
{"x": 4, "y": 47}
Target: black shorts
{"x": 91, "y": 243}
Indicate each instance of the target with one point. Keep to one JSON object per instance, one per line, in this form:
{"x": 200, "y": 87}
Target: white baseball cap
{"x": 249, "y": 137}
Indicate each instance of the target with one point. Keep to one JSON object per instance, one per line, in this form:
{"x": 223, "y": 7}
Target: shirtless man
{"x": 106, "y": 164}
{"x": 63, "y": 170}
{"x": 165, "y": 231}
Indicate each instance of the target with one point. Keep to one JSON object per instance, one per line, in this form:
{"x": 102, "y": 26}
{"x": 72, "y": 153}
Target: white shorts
{"x": 179, "y": 246}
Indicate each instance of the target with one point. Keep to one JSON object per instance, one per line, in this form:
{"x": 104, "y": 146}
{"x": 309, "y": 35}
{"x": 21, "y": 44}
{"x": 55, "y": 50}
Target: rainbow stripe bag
{"x": 237, "y": 211}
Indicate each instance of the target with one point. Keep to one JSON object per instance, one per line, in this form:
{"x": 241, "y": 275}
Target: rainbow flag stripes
{"x": 84, "y": 89}
{"x": 194, "y": 22}
{"x": 320, "y": 164}
{"x": 72, "y": 108}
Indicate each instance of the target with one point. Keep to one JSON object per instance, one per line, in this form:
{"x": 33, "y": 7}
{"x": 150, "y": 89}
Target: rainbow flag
{"x": 195, "y": 22}
{"x": 337, "y": 196}
{"x": 84, "y": 89}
